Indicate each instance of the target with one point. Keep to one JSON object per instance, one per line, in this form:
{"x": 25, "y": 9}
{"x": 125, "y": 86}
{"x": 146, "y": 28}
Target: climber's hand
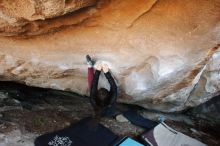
{"x": 105, "y": 68}
{"x": 98, "y": 66}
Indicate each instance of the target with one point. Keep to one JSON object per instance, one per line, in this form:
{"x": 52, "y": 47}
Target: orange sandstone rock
{"x": 163, "y": 54}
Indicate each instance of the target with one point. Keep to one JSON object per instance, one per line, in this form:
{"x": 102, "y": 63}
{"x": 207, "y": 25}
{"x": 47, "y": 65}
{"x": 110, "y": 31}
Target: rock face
{"x": 208, "y": 111}
{"x": 164, "y": 54}
{"x": 15, "y": 17}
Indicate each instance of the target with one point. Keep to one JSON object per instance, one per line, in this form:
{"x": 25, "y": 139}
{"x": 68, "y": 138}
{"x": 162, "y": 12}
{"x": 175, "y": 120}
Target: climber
{"x": 102, "y": 100}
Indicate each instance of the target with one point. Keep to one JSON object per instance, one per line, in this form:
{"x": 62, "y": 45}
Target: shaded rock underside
{"x": 164, "y": 54}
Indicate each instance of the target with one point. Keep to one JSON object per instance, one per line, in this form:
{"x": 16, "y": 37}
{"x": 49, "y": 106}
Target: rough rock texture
{"x": 208, "y": 111}
{"x": 16, "y": 16}
{"x": 164, "y": 54}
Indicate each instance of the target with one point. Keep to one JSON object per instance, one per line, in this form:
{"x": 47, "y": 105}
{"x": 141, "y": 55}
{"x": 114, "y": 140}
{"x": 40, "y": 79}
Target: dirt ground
{"x": 26, "y": 113}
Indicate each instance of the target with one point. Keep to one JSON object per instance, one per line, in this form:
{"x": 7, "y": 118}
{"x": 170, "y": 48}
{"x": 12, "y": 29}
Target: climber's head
{"x": 103, "y": 97}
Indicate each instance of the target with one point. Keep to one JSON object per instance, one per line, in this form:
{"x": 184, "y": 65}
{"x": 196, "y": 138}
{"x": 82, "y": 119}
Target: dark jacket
{"x": 113, "y": 89}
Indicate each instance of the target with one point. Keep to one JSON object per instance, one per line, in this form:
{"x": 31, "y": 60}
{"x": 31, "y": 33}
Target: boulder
{"x": 164, "y": 55}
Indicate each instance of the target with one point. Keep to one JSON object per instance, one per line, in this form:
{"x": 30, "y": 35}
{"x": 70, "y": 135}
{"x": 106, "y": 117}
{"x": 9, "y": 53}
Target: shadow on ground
{"x": 26, "y": 112}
